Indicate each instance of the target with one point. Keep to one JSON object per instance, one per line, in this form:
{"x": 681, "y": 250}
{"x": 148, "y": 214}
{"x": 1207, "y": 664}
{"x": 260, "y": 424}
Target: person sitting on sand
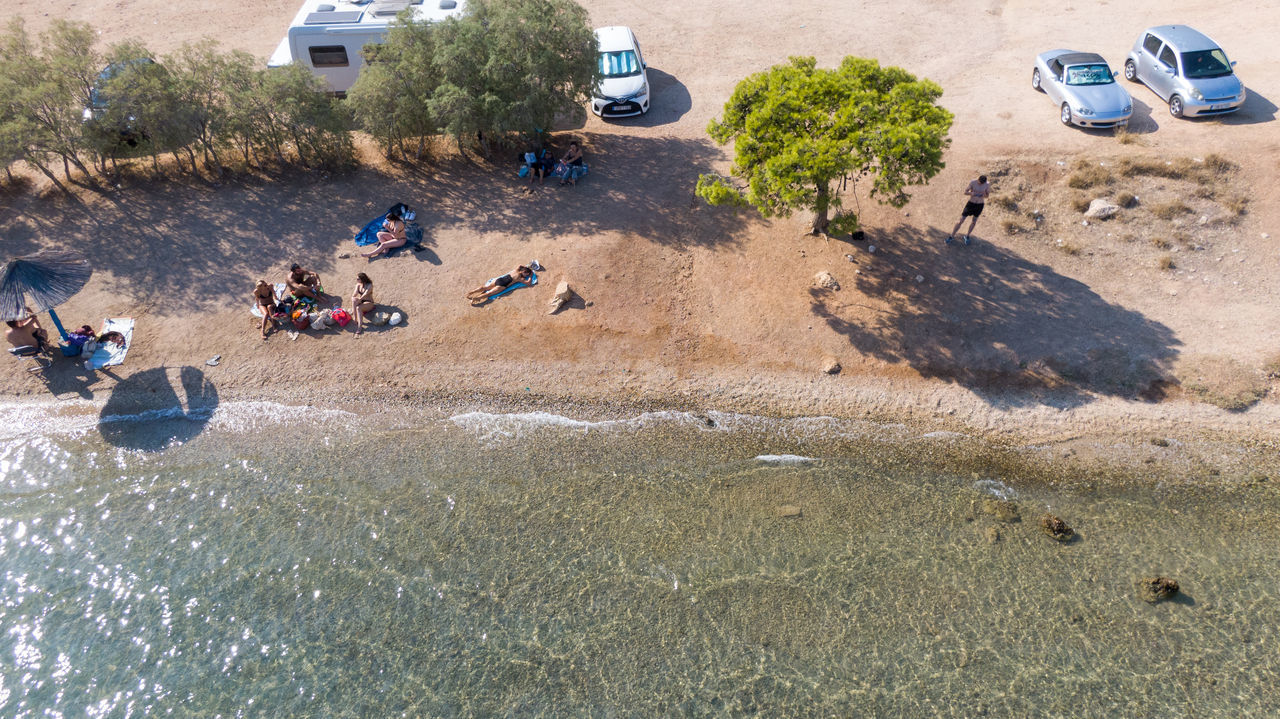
{"x": 362, "y": 300}
{"x": 27, "y": 332}
{"x": 391, "y": 236}
{"x": 264, "y": 298}
{"x": 573, "y": 164}
{"x": 484, "y": 292}
{"x": 304, "y": 283}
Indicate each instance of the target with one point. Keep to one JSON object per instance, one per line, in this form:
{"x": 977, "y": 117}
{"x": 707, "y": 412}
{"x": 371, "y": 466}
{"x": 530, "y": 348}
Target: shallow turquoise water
{"x": 319, "y": 564}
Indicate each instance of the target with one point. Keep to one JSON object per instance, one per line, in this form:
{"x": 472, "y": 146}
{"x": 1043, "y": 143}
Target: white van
{"x": 328, "y": 35}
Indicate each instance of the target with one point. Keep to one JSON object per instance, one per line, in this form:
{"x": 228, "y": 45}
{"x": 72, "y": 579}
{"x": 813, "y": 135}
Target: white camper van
{"x": 328, "y": 35}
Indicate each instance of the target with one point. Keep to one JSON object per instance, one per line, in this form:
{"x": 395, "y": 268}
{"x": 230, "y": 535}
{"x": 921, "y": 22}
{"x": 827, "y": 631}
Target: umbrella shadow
{"x": 988, "y": 319}
{"x": 147, "y": 411}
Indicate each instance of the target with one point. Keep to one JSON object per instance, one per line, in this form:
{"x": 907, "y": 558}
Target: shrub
{"x": 1005, "y": 202}
{"x": 1166, "y": 262}
{"x": 1169, "y": 210}
{"x": 1236, "y": 204}
{"x": 1080, "y": 202}
{"x": 1126, "y": 199}
{"x": 1160, "y": 243}
{"x": 1089, "y": 175}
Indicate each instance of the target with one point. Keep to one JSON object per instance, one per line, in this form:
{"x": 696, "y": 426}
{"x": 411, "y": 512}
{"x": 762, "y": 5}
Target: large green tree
{"x": 799, "y": 131}
{"x": 513, "y": 66}
{"x": 389, "y": 99}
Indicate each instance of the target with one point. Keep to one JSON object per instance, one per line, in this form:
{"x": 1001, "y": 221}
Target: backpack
{"x": 341, "y": 317}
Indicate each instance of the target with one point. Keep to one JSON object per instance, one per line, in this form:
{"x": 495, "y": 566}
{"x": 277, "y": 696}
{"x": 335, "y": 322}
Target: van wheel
{"x": 1130, "y": 71}
{"x": 1065, "y": 116}
{"x": 1175, "y": 106}
{"x": 1035, "y": 80}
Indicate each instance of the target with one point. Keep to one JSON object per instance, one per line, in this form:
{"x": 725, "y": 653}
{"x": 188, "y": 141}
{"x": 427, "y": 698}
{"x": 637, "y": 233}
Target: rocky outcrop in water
{"x": 1002, "y": 509}
{"x": 1056, "y": 528}
{"x": 1157, "y": 589}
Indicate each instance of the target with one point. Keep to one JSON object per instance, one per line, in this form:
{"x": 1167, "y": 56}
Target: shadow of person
{"x": 146, "y": 412}
{"x": 988, "y": 319}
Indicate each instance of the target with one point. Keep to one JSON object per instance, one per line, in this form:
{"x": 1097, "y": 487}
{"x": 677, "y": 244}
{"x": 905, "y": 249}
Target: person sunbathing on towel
{"x": 496, "y": 285}
{"x": 304, "y": 283}
{"x": 391, "y": 236}
{"x": 27, "y": 332}
{"x": 264, "y": 298}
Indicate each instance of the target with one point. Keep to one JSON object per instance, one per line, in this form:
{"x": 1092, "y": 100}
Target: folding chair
{"x": 41, "y": 358}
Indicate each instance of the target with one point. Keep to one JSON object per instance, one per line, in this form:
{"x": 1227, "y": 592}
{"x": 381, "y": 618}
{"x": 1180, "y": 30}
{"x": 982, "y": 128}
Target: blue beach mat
{"x": 514, "y": 286}
{"x": 368, "y": 235}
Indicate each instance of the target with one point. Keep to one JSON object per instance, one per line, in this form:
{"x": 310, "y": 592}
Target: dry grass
{"x": 1204, "y": 192}
{"x": 1166, "y": 262}
{"x": 1088, "y": 174}
{"x": 1236, "y": 204}
{"x": 1126, "y": 199}
{"x": 1272, "y": 366}
{"x": 1223, "y": 382}
{"x": 1070, "y": 248}
{"x": 1205, "y": 172}
{"x": 1014, "y": 227}
{"x": 1124, "y": 137}
{"x": 1218, "y": 164}
{"x": 1079, "y": 202}
{"x": 1169, "y": 210}
{"x": 1160, "y": 243}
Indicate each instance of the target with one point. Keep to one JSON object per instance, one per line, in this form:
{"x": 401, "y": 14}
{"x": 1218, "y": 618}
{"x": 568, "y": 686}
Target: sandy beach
{"x": 1084, "y": 336}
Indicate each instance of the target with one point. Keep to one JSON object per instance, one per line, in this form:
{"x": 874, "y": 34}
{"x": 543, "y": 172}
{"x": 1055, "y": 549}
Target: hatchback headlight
{"x": 1197, "y": 95}
{"x": 1127, "y": 108}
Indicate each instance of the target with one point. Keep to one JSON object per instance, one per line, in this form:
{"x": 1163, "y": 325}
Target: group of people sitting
{"x": 568, "y": 168}
{"x": 28, "y": 338}
{"x": 304, "y": 291}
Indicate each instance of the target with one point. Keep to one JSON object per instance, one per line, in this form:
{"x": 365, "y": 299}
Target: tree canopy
{"x": 799, "y": 130}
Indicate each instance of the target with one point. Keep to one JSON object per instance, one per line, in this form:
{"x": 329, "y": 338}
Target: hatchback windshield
{"x": 1089, "y": 75}
{"x": 620, "y": 63}
{"x": 1205, "y": 63}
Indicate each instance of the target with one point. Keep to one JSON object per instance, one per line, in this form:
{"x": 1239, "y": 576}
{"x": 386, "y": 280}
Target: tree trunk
{"x": 822, "y": 208}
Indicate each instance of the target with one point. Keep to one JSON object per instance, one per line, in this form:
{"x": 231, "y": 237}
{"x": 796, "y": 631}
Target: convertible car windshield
{"x": 1206, "y": 63}
{"x": 1089, "y": 75}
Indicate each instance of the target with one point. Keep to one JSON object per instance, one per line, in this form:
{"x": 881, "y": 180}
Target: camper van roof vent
{"x": 388, "y": 9}
{"x": 333, "y": 18}
{"x": 325, "y": 8}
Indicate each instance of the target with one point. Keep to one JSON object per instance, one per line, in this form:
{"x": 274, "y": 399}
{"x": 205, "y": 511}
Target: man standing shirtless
{"x": 977, "y": 192}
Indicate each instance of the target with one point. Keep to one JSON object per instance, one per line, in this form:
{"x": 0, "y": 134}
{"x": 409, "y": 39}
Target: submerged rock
{"x": 992, "y": 534}
{"x": 789, "y": 511}
{"x": 1056, "y": 528}
{"x": 1002, "y": 509}
{"x": 1157, "y": 589}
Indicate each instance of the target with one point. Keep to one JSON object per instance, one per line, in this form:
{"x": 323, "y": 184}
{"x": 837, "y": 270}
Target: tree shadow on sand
{"x": 992, "y": 321}
{"x": 195, "y": 245}
{"x": 146, "y": 412}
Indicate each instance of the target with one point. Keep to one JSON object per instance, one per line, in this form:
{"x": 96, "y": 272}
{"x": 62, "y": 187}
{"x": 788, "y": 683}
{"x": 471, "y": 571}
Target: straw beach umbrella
{"x": 41, "y": 281}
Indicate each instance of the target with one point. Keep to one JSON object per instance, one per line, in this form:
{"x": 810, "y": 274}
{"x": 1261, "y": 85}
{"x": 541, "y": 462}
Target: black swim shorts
{"x": 973, "y": 209}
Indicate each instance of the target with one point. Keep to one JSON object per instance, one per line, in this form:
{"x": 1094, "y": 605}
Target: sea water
{"x": 254, "y": 560}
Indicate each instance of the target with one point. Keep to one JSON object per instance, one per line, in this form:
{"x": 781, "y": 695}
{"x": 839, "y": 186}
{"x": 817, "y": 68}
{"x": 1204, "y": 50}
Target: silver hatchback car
{"x": 1186, "y": 69}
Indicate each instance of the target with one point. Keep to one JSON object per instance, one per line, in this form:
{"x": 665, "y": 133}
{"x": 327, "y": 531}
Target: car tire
{"x": 1065, "y": 115}
{"x": 1175, "y": 106}
{"x": 1130, "y": 71}
{"x": 1035, "y": 80}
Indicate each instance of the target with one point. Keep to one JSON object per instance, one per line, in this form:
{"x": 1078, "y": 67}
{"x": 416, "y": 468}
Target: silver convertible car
{"x": 1084, "y": 87}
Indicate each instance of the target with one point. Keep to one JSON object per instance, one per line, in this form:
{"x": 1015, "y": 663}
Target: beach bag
{"x": 341, "y": 317}
{"x": 523, "y": 171}
{"x": 300, "y": 319}
{"x": 379, "y": 318}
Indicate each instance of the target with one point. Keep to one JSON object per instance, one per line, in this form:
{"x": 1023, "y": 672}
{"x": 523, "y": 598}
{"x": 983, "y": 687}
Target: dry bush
{"x": 1217, "y": 164}
{"x": 1169, "y": 210}
{"x": 1013, "y": 227}
{"x": 1272, "y": 366}
{"x": 1129, "y": 237}
{"x": 1236, "y": 204}
{"x": 1183, "y": 239}
{"x": 1005, "y": 202}
{"x": 1124, "y": 137}
{"x": 1204, "y": 192}
{"x": 1079, "y": 202}
{"x": 1223, "y": 382}
{"x": 1166, "y": 262}
{"x": 1088, "y": 175}
{"x": 1126, "y": 199}
{"x": 1070, "y": 248}
{"x": 1160, "y": 243}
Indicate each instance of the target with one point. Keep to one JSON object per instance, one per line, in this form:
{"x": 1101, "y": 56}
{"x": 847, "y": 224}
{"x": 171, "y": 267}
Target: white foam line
{"x": 785, "y": 459}
{"x": 18, "y": 421}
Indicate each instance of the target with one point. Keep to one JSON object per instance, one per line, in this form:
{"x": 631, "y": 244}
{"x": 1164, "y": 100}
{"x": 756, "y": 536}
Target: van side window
{"x": 1168, "y": 58}
{"x": 1152, "y": 44}
{"x": 328, "y": 56}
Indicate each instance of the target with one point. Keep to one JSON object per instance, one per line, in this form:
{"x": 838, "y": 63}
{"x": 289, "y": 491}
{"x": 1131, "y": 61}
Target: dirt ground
{"x": 1044, "y": 329}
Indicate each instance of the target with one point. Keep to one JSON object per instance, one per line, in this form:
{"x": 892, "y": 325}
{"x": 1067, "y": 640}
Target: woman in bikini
{"x": 392, "y": 236}
{"x": 362, "y": 300}
{"x": 496, "y": 285}
{"x": 264, "y": 297}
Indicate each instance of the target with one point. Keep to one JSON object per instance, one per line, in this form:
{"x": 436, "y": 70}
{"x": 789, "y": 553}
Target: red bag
{"x": 300, "y": 319}
{"x": 341, "y": 317}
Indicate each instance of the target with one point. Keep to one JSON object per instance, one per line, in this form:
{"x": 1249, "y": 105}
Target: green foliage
{"x": 388, "y": 100}
{"x": 513, "y": 66}
{"x": 797, "y": 130}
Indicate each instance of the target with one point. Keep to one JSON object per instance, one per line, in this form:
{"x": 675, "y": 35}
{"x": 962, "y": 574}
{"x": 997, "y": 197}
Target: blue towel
{"x": 369, "y": 235}
{"x": 517, "y": 285}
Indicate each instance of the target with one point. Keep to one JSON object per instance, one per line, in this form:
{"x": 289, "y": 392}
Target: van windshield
{"x": 1205, "y": 63}
{"x": 620, "y": 63}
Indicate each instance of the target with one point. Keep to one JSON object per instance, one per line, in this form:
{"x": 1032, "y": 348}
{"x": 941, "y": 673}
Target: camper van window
{"x": 328, "y": 56}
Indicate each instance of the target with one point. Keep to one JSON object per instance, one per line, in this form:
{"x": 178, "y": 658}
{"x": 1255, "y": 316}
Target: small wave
{"x": 996, "y": 488}
{"x": 944, "y": 434}
{"x": 21, "y": 421}
{"x": 785, "y": 459}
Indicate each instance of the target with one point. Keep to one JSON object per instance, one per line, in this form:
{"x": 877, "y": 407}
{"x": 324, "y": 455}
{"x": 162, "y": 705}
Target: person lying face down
{"x": 481, "y": 294}
{"x": 304, "y": 283}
